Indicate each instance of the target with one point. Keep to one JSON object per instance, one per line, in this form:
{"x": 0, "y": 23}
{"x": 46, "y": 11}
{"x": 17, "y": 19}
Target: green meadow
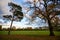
{"x": 33, "y": 33}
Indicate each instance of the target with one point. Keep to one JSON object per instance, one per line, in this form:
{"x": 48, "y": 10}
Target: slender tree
{"x": 16, "y": 14}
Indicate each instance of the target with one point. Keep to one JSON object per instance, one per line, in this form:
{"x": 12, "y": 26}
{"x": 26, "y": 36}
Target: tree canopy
{"x": 47, "y": 10}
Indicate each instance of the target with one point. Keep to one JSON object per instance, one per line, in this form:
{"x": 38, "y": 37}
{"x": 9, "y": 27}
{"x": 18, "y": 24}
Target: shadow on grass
{"x": 27, "y": 37}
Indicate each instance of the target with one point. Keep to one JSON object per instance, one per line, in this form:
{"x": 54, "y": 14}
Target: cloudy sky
{"x": 25, "y": 22}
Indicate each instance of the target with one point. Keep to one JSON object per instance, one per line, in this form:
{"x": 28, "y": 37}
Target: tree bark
{"x": 50, "y": 28}
{"x": 10, "y": 26}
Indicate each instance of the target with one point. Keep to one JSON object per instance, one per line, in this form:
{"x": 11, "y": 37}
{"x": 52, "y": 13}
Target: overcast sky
{"x": 4, "y": 9}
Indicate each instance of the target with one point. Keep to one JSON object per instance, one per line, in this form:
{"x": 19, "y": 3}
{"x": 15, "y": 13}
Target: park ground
{"x": 29, "y": 35}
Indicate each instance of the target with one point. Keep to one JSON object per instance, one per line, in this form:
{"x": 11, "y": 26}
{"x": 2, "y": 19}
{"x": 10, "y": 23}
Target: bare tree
{"x": 47, "y": 10}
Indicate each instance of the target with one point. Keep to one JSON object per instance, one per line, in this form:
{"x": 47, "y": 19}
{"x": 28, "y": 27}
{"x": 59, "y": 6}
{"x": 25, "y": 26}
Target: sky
{"x": 25, "y": 22}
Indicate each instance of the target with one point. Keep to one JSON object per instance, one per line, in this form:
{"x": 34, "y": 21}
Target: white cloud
{"x": 4, "y": 6}
{"x": 5, "y": 9}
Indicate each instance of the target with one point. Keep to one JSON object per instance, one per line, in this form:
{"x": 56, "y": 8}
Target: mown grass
{"x": 57, "y": 33}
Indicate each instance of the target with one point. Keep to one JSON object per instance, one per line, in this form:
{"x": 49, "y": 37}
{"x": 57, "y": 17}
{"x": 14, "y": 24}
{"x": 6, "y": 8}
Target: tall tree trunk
{"x": 49, "y": 22}
{"x": 10, "y": 26}
{"x": 50, "y": 28}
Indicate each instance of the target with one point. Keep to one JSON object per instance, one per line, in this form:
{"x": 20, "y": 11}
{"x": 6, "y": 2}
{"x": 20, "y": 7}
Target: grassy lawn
{"x": 29, "y": 35}
{"x": 57, "y": 33}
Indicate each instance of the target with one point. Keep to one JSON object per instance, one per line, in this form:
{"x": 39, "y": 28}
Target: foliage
{"x": 16, "y": 12}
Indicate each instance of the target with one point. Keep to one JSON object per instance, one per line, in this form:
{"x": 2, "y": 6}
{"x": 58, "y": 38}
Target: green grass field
{"x": 57, "y": 33}
{"x": 29, "y": 35}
